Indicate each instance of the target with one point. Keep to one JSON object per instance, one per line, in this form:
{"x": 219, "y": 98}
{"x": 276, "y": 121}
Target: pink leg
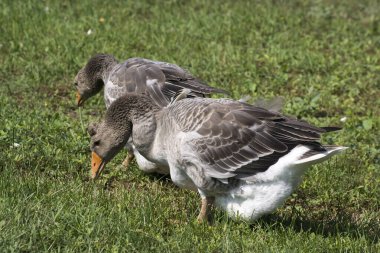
{"x": 128, "y": 159}
{"x": 205, "y": 214}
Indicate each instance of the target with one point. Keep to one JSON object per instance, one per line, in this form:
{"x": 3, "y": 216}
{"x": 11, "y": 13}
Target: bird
{"x": 137, "y": 75}
{"x": 239, "y": 157}
{"x": 132, "y": 76}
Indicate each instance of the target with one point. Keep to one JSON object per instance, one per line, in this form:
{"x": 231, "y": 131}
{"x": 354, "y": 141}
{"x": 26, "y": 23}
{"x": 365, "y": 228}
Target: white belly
{"x": 263, "y": 194}
{"x": 270, "y": 189}
{"x": 252, "y": 201}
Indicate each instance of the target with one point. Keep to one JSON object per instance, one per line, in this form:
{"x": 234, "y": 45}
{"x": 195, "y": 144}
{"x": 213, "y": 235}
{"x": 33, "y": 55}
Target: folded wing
{"x": 236, "y": 139}
{"x": 137, "y": 74}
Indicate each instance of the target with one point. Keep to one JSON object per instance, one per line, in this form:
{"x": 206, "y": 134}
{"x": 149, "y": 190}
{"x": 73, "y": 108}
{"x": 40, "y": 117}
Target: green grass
{"x": 322, "y": 56}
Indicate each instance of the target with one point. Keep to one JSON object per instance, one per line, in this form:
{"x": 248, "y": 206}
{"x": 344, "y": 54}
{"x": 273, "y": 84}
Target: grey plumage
{"x": 158, "y": 80}
{"x": 136, "y": 73}
{"x": 133, "y": 76}
{"x": 246, "y": 158}
{"x": 238, "y": 138}
{"x": 235, "y": 139}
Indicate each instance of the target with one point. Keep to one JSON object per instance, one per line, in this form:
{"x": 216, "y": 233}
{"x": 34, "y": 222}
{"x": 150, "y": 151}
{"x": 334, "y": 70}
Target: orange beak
{"x": 97, "y": 165}
{"x": 78, "y": 99}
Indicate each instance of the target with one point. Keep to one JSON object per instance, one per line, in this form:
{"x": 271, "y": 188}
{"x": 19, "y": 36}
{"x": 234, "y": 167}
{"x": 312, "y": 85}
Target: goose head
{"x": 108, "y": 138}
{"x": 110, "y": 135}
{"x": 90, "y": 79}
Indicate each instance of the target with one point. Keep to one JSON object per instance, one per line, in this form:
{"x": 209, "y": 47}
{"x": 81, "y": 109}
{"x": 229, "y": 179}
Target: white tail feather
{"x": 320, "y": 157}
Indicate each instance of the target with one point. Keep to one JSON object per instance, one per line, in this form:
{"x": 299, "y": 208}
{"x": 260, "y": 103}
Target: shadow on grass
{"x": 164, "y": 179}
{"x": 322, "y": 224}
{"x": 343, "y": 227}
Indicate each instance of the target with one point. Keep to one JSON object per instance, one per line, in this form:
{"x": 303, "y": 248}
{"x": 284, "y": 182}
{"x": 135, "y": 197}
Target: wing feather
{"x": 239, "y": 140}
{"x": 134, "y": 74}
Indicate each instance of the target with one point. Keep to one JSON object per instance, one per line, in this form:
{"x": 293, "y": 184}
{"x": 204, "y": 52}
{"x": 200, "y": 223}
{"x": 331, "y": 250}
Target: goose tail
{"x": 313, "y": 156}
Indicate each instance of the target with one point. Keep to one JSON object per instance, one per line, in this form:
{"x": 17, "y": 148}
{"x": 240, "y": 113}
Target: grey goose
{"x": 242, "y": 158}
{"x": 132, "y": 76}
{"x": 141, "y": 76}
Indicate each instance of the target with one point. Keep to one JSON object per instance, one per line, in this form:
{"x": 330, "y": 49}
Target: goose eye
{"x": 96, "y": 143}
{"x": 76, "y": 84}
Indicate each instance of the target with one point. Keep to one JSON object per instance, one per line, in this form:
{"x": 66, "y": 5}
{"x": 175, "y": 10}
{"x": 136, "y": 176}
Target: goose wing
{"x": 135, "y": 73}
{"x": 177, "y": 76}
{"x": 235, "y": 139}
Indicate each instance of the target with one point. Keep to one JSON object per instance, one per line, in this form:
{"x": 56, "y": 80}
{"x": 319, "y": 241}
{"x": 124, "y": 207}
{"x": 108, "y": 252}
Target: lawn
{"x": 323, "y": 57}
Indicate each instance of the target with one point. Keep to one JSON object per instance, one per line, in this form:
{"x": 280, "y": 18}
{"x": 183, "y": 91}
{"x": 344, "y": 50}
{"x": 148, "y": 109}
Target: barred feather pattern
{"x": 143, "y": 76}
{"x": 237, "y": 139}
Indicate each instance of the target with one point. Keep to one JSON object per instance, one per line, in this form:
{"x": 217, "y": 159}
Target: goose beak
{"x": 97, "y": 165}
{"x": 79, "y": 99}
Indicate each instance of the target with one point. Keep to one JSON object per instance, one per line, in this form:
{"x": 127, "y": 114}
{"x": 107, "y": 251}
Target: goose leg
{"x": 205, "y": 215}
{"x": 129, "y": 158}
